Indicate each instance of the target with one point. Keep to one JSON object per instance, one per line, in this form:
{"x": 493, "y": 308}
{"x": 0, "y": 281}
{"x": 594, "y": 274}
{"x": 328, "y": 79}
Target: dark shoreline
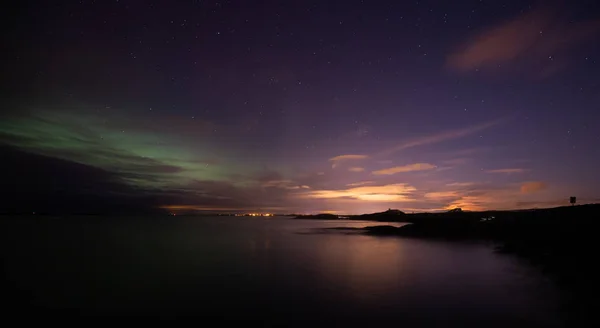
{"x": 560, "y": 242}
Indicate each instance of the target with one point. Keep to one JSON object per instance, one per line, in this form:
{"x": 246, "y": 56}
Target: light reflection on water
{"x": 275, "y": 266}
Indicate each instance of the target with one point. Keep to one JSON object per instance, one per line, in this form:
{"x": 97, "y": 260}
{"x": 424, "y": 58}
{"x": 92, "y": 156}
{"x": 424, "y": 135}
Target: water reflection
{"x": 366, "y": 267}
{"x": 383, "y": 275}
{"x": 209, "y": 266}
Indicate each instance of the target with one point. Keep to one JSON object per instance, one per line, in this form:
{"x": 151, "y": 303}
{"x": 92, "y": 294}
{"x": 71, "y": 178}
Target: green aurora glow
{"x": 142, "y": 158}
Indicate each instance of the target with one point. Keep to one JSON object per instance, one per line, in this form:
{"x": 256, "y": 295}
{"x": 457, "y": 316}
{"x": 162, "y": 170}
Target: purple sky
{"x": 302, "y": 106}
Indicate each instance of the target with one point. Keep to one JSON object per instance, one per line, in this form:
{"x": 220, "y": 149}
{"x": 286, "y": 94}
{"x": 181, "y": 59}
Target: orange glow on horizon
{"x": 391, "y": 192}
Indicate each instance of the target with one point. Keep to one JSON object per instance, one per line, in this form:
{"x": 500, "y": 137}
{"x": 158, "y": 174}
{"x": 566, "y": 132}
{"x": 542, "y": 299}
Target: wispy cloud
{"x": 530, "y": 39}
{"x": 337, "y": 159}
{"x": 442, "y": 195}
{"x": 347, "y": 157}
{"x": 299, "y": 187}
{"x": 508, "y": 171}
{"x": 460, "y": 184}
{"x": 283, "y": 184}
{"x": 405, "y": 168}
{"x": 533, "y": 186}
{"x": 476, "y": 196}
{"x": 441, "y": 137}
{"x": 360, "y": 183}
{"x": 277, "y": 183}
{"x": 399, "y": 192}
{"x": 356, "y": 169}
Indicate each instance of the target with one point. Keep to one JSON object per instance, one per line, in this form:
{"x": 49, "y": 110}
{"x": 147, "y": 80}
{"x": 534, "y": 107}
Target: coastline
{"x": 560, "y": 242}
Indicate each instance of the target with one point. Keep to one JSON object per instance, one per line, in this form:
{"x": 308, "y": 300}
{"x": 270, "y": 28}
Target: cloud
{"x": 356, "y": 169}
{"x": 475, "y": 196}
{"x": 460, "y": 184}
{"x": 299, "y": 187}
{"x": 451, "y": 164}
{"x": 337, "y": 159}
{"x": 441, "y": 137}
{"x": 405, "y": 168}
{"x": 442, "y": 195}
{"x": 360, "y": 183}
{"x": 533, "y": 186}
{"x": 277, "y": 183}
{"x": 283, "y": 184}
{"x": 209, "y": 194}
{"x": 539, "y": 36}
{"x": 137, "y": 153}
{"x": 99, "y": 168}
{"x": 399, "y": 192}
{"x": 508, "y": 171}
{"x": 347, "y": 157}
{"x": 51, "y": 185}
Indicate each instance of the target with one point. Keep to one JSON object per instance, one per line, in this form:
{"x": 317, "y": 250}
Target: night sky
{"x": 301, "y": 106}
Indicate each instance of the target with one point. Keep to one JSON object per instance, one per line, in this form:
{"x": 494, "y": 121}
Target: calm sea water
{"x": 277, "y": 270}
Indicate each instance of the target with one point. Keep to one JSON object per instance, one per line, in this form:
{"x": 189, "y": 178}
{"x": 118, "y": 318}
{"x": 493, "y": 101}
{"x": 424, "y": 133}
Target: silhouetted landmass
{"x": 561, "y": 241}
{"x": 387, "y": 216}
{"x": 322, "y": 216}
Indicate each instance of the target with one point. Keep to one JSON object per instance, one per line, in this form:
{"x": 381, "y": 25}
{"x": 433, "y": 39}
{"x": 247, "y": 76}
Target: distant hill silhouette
{"x": 322, "y": 216}
{"x": 390, "y": 215}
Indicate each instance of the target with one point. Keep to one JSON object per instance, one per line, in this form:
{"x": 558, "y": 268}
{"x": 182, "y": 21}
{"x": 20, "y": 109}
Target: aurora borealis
{"x": 341, "y": 106}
